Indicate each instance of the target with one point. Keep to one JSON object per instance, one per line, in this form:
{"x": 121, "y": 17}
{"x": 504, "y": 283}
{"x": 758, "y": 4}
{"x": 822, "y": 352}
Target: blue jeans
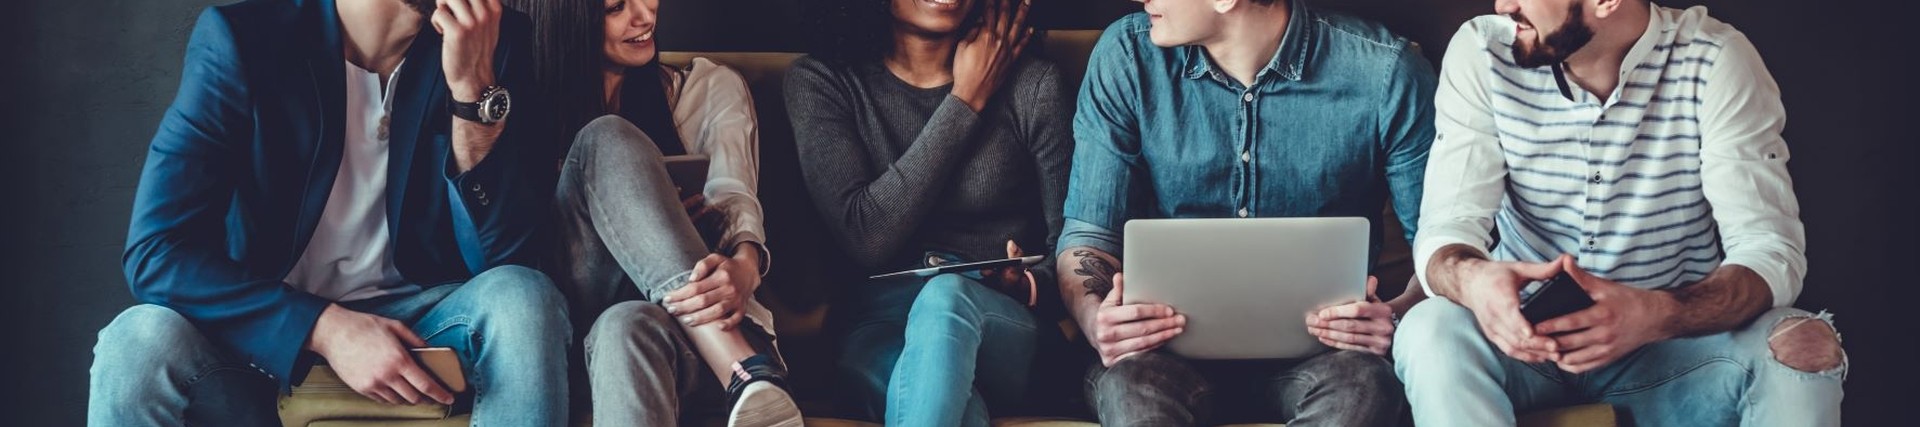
{"x": 935, "y": 352}
{"x": 1455, "y": 377}
{"x": 153, "y": 368}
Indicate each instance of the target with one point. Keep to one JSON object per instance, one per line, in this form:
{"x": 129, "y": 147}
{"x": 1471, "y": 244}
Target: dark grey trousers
{"x": 1342, "y": 388}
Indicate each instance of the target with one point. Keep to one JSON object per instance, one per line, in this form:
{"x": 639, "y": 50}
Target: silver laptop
{"x": 1246, "y": 285}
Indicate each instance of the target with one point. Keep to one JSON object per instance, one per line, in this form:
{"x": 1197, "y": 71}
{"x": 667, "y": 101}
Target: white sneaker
{"x": 763, "y": 404}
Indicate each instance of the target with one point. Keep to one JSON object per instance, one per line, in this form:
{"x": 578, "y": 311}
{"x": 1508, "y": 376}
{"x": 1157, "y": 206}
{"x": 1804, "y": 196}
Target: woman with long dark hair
{"x": 661, "y": 283}
{"x": 925, "y": 139}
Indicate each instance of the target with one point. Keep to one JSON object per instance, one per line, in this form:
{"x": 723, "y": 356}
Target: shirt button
{"x": 1243, "y": 212}
{"x": 1596, "y": 177}
{"x": 1248, "y": 97}
{"x": 1591, "y": 241}
{"x": 1246, "y": 156}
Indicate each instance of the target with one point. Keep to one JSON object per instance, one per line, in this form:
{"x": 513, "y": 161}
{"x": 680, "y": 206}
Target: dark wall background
{"x": 88, "y": 80}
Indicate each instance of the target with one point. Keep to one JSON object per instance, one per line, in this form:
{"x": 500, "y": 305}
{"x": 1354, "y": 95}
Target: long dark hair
{"x": 568, "y": 62}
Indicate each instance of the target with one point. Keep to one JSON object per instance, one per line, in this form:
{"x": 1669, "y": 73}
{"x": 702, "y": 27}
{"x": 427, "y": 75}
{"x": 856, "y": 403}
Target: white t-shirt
{"x": 351, "y": 255}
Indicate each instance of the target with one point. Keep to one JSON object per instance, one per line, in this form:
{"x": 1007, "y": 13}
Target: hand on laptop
{"x": 1121, "y": 330}
{"x": 1359, "y": 326}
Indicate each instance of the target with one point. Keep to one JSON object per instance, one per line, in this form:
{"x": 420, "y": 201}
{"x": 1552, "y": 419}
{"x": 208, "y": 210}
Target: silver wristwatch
{"x": 493, "y": 107}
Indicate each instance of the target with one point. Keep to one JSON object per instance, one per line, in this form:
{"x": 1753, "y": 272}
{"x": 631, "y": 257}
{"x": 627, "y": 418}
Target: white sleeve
{"x": 1466, "y": 172}
{"x": 716, "y": 104}
{"x": 1743, "y": 162}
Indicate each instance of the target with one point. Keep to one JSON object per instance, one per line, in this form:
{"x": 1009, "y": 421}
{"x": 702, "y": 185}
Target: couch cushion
{"x": 324, "y": 397}
{"x": 460, "y": 421}
{"x": 1590, "y": 415}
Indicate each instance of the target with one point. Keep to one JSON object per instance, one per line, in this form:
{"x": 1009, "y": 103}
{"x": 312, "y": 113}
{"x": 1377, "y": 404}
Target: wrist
{"x": 1666, "y": 309}
{"x": 1083, "y": 320}
{"x": 469, "y": 90}
{"x": 318, "y": 338}
{"x": 748, "y": 252}
{"x": 1454, "y": 272}
{"x": 968, "y": 94}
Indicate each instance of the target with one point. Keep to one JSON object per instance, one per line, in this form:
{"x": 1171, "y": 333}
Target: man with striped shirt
{"x": 1638, "y": 149}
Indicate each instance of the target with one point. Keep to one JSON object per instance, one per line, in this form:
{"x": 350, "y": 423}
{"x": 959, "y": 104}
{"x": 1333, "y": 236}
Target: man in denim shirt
{"x": 1240, "y": 109}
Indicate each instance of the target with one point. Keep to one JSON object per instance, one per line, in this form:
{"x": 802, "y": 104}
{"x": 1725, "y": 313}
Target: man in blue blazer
{"x": 338, "y": 180}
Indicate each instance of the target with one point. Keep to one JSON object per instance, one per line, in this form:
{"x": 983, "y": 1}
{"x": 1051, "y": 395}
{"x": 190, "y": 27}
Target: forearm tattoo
{"x": 1098, "y": 271}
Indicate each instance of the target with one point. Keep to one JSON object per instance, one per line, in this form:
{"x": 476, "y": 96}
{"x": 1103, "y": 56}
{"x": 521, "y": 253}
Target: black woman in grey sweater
{"x": 930, "y": 140}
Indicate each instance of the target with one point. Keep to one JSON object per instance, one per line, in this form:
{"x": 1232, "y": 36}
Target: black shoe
{"x": 759, "y": 395}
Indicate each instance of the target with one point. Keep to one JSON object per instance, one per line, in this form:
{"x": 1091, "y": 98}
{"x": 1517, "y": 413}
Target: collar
{"x": 1289, "y": 60}
{"x": 1657, "y": 29}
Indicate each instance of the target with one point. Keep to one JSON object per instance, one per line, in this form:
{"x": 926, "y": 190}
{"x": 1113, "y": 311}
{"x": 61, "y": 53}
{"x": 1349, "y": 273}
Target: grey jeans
{"x": 627, "y": 241}
{"x": 1342, "y": 388}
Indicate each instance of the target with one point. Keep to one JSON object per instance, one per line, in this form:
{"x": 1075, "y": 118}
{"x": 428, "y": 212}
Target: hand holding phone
{"x": 444, "y": 365}
{"x": 1559, "y": 296}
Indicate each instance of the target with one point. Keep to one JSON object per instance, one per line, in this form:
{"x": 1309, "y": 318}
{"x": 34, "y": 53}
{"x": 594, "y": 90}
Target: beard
{"x": 425, "y": 7}
{"x": 1554, "y": 48}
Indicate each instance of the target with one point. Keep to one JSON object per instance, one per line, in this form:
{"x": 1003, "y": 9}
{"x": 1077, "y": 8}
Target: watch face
{"x": 496, "y": 106}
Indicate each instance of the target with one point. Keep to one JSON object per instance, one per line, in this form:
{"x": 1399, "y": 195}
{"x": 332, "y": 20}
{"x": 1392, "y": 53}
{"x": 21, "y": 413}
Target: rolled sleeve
{"x": 1082, "y": 234}
{"x": 1466, "y": 172}
{"x": 1743, "y": 161}
{"x": 1106, "y": 155}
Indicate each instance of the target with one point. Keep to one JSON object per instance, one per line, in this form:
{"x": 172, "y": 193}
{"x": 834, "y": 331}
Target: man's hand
{"x": 370, "y": 354}
{"x": 1365, "y": 325}
{"x": 987, "y": 52}
{"x": 470, "y": 31}
{"x": 720, "y": 287}
{"x": 1621, "y": 320}
{"x": 1491, "y": 289}
{"x": 1120, "y": 330}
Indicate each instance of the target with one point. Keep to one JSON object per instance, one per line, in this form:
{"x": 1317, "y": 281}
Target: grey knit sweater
{"x": 897, "y": 170}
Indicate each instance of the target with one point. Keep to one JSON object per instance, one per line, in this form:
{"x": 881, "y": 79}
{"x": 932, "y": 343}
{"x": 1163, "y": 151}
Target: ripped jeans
{"x": 1455, "y": 377}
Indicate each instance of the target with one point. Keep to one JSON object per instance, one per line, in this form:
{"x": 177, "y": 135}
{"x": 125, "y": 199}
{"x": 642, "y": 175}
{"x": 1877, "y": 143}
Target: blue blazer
{"x": 243, "y": 162}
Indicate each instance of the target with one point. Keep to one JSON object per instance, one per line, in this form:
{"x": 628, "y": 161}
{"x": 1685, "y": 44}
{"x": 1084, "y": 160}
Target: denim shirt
{"x": 1337, "y": 121}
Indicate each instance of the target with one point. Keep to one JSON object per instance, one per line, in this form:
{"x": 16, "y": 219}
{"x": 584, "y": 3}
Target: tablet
{"x": 1026, "y": 261}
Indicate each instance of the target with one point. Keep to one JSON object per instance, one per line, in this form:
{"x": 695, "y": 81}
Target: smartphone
{"x": 688, "y": 173}
{"x": 444, "y": 365}
{"x": 1552, "y": 298}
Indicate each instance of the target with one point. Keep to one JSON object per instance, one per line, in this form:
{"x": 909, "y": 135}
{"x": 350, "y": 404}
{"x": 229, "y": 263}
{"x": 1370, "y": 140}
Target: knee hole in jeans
{"x": 1806, "y": 343}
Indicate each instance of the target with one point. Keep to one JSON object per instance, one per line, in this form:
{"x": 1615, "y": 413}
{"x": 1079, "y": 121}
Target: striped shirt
{"x": 1680, "y": 170}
